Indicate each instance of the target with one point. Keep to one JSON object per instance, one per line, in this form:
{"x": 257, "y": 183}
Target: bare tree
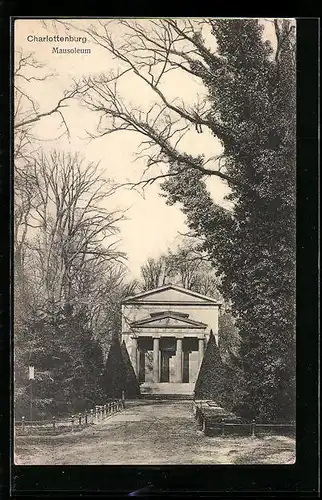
{"x": 150, "y": 49}
{"x": 187, "y": 266}
{"x": 27, "y": 113}
{"x": 107, "y": 313}
{"x": 65, "y": 240}
{"x": 71, "y": 264}
{"x": 72, "y": 235}
{"x": 190, "y": 267}
{"x": 154, "y": 273}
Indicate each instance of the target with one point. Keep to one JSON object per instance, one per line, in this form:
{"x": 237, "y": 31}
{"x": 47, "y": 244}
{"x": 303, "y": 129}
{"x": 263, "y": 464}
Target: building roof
{"x": 163, "y": 320}
{"x": 168, "y": 294}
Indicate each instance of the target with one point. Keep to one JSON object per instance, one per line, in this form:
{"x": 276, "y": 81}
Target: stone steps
{"x": 166, "y": 388}
{"x": 172, "y": 397}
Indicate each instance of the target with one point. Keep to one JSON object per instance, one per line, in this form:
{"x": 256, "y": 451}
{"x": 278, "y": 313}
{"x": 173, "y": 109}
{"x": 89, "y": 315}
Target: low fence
{"x": 252, "y": 429}
{"x": 215, "y": 424}
{"x": 74, "y": 422}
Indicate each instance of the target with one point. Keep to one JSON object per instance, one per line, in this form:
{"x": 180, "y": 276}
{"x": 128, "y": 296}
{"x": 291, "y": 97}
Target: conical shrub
{"x": 132, "y": 387}
{"x": 211, "y": 378}
{"x": 119, "y": 375}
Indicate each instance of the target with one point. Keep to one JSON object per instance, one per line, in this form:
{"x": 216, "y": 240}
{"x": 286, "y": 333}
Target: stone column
{"x": 156, "y": 347}
{"x": 179, "y": 360}
{"x": 135, "y": 354}
{"x": 201, "y": 350}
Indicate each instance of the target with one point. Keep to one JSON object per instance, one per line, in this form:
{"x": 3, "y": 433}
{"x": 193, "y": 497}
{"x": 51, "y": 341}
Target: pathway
{"x": 150, "y": 433}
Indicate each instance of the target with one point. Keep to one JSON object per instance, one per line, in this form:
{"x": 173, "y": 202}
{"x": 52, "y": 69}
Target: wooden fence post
{"x": 123, "y": 399}
{"x": 23, "y": 423}
{"x": 253, "y": 428}
{"x": 73, "y": 420}
{"x": 204, "y": 426}
{"x": 92, "y": 416}
{"x": 54, "y": 423}
{"x": 86, "y": 417}
{"x": 105, "y": 411}
{"x": 96, "y": 413}
{"x": 79, "y": 419}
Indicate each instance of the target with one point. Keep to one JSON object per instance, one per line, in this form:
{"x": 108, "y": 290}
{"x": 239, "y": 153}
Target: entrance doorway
{"x": 165, "y": 366}
{"x": 145, "y": 347}
{"x": 190, "y": 349}
{"x": 167, "y": 350}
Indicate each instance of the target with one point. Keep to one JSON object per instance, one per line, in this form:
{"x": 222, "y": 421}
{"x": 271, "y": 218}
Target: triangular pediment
{"x": 169, "y": 294}
{"x": 168, "y": 320}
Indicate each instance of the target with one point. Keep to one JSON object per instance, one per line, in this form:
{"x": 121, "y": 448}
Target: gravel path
{"x": 152, "y": 433}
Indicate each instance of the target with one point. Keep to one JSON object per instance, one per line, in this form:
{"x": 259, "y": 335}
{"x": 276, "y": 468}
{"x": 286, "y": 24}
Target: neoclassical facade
{"x": 165, "y": 331}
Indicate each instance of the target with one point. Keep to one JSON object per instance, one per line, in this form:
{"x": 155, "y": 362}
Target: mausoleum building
{"x": 165, "y": 331}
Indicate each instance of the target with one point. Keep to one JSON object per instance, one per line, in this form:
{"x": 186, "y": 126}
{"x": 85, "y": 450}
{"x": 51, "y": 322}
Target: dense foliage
{"x": 119, "y": 375}
{"x": 214, "y": 378}
{"x": 68, "y": 365}
{"x": 252, "y": 96}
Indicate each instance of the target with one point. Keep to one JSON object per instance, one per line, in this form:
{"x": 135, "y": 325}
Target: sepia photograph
{"x": 154, "y": 241}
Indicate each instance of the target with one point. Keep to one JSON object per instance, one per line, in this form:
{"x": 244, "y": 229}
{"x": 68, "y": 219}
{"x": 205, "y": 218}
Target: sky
{"x": 151, "y": 226}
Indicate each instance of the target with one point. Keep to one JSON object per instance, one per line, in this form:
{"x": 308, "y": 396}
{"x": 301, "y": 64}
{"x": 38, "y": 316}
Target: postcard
{"x": 154, "y": 241}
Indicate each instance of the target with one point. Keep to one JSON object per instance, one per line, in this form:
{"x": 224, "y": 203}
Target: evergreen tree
{"x": 118, "y": 375}
{"x": 68, "y": 364}
{"x": 78, "y": 366}
{"x": 252, "y": 95}
{"x": 210, "y": 381}
{"x": 132, "y": 387}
